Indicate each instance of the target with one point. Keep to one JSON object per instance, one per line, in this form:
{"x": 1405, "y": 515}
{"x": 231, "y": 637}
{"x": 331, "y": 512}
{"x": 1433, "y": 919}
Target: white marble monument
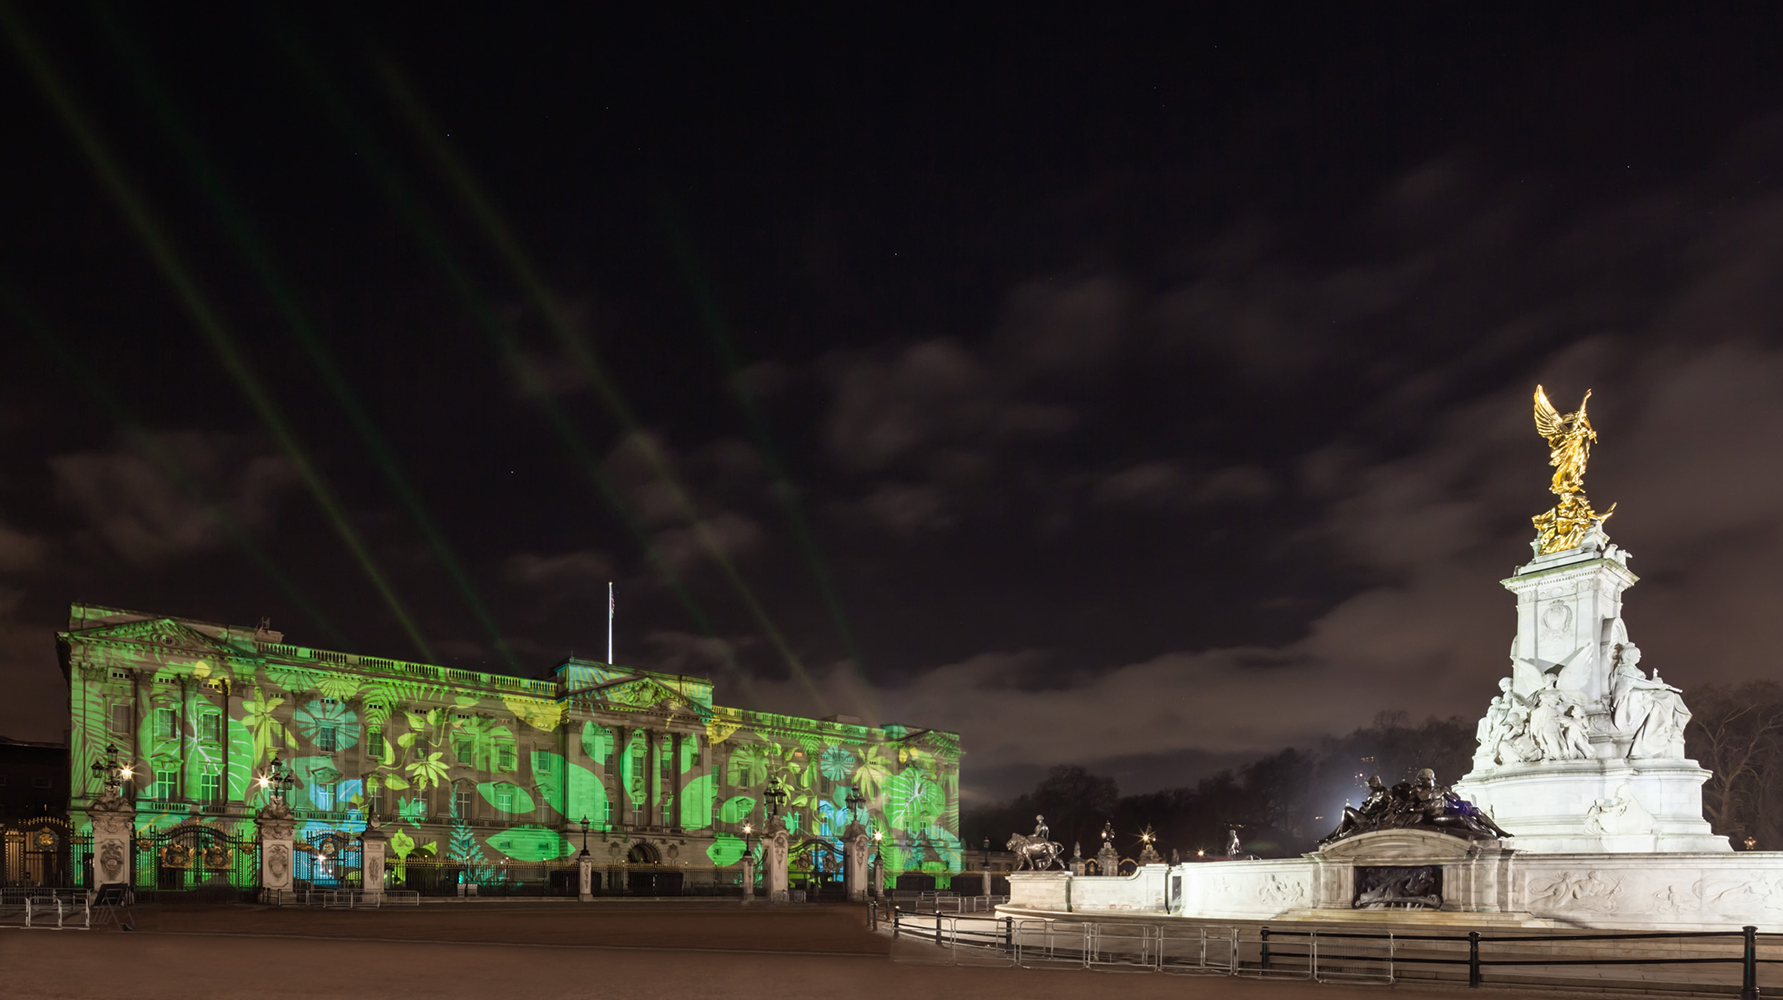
{"x": 1582, "y": 750}
{"x": 1596, "y": 812}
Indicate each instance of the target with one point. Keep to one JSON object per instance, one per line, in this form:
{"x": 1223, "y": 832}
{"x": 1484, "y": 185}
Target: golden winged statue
{"x": 1569, "y": 438}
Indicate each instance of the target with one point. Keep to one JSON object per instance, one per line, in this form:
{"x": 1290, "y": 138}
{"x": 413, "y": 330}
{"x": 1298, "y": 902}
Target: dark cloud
{"x": 168, "y": 495}
{"x": 565, "y": 570}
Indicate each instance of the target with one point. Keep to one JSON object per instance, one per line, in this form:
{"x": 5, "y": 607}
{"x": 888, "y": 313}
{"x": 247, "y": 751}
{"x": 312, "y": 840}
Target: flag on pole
{"x": 611, "y": 609}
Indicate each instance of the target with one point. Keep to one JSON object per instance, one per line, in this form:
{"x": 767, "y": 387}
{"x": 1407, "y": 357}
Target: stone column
{"x": 372, "y": 845}
{"x": 585, "y": 875}
{"x": 777, "y": 849}
{"x": 857, "y": 853}
{"x": 276, "y": 823}
{"x": 114, "y": 824}
{"x": 748, "y": 878}
{"x": 984, "y": 881}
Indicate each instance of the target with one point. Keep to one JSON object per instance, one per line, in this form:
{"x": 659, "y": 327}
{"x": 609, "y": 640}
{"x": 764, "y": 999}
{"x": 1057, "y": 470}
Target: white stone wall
{"x": 1607, "y": 891}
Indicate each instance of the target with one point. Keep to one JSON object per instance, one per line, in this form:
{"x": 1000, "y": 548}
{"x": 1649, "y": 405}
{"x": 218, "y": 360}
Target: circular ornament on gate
{"x": 176, "y": 856}
{"x": 216, "y": 856}
{"x": 45, "y": 840}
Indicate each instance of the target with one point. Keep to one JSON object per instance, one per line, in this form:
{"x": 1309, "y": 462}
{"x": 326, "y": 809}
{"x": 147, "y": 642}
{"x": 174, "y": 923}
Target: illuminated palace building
{"x": 477, "y": 779}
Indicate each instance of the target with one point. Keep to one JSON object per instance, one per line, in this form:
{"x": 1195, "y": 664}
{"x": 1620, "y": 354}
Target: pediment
{"x": 1402, "y": 844}
{"x": 164, "y": 634}
{"x": 642, "y": 693}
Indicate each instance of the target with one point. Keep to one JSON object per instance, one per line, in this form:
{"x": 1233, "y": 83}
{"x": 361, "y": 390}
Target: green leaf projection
{"x": 506, "y": 797}
{"x": 484, "y": 771}
{"x": 736, "y": 809}
{"x": 532, "y": 843}
{"x": 726, "y": 849}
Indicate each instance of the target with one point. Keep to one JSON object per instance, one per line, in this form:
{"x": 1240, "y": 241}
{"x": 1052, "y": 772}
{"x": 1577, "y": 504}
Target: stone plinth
{"x": 585, "y": 877}
{"x": 114, "y": 825}
{"x": 373, "y": 844}
{"x": 857, "y": 850}
{"x": 776, "y": 850}
{"x": 1605, "y": 806}
{"x": 276, "y": 823}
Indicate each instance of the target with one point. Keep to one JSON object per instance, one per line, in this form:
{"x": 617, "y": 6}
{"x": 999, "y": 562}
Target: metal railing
{"x": 47, "y": 914}
{"x": 1334, "y": 955}
{"x": 340, "y": 899}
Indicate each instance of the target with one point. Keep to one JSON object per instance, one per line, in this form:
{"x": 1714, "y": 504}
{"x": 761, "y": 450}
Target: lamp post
{"x": 776, "y": 796}
{"x": 277, "y": 777}
{"x": 878, "y": 865}
{"x": 108, "y": 770}
{"x": 584, "y": 853}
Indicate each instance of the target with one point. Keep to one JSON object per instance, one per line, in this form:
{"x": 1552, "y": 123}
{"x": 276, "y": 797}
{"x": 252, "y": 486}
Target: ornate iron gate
{"x": 41, "y": 852}
{"x": 331, "y": 861}
{"x": 195, "y": 860}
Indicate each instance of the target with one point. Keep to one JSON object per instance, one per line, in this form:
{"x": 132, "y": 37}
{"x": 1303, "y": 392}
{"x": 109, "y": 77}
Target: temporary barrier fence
{"x": 47, "y": 914}
{"x": 1325, "y": 955}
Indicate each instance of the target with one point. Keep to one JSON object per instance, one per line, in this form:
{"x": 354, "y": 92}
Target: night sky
{"x": 1144, "y": 395}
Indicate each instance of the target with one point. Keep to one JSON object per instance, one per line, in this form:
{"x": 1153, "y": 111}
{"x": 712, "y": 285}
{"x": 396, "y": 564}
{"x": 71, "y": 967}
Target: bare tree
{"x": 1737, "y": 733}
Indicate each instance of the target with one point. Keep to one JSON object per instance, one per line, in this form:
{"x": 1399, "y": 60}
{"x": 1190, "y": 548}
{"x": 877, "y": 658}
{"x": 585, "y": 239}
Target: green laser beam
{"x": 205, "y": 317}
{"x": 426, "y": 234}
{"x": 145, "y": 444}
{"x": 508, "y": 247}
{"x": 711, "y": 317}
{"x": 261, "y": 258}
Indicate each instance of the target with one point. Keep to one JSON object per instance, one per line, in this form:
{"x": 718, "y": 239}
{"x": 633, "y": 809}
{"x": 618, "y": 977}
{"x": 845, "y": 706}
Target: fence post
{"x": 1008, "y": 933}
{"x": 1473, "y": 959}
{"x": 1263, "y": 935}
{"x": 1749, "y": 981}
{"x": 895, "y": 916}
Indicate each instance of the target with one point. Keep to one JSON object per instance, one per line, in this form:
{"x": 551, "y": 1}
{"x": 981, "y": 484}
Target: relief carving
{"x": 1571, "y": 891}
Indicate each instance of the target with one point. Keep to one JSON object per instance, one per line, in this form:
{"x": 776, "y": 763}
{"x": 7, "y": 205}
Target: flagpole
{"x": 609, "y": 623}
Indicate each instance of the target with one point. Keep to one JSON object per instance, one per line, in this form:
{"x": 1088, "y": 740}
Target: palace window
{"x": 461, "y": 801}
{"x": 164, "y": 724}
{"x": 505, "y": 757}
{"x": 210, "y": 727}
{"x": 325, "y": 740}
{"x": 374, "y": 796}
{"x": 209, "y": 789}
{"x": 462, "y": 747}
{"x": 504, "y": 797}
{"x": 120, "y": 721}
{"x": 374, "y": 743}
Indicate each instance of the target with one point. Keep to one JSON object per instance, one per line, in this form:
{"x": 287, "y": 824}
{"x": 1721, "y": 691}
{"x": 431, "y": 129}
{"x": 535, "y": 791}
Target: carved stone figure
{"x": 111, "y": 862}
{"x": 1233, "y": 847}
{"x": 278, "y": 861}
{"x": 1647, "y": 709}
{"x": 1621, "y": 813}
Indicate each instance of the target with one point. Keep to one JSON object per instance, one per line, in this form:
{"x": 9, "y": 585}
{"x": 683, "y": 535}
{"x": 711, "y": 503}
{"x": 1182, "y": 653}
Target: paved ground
{"x": 638, "y": 951}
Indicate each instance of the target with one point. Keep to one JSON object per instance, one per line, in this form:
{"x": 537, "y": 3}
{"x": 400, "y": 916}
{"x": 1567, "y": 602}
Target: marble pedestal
{"x": 1613, "y": 806}
{"x": 585, "y": 877}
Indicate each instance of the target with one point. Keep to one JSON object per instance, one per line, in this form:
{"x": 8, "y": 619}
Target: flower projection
{"x": 484, "y": 774}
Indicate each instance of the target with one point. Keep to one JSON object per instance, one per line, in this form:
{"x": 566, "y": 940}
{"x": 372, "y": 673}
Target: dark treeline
{"x": 1285, "y": 802}
{"x": 1282, "y": 804}
{"x": 1737, "y": 733}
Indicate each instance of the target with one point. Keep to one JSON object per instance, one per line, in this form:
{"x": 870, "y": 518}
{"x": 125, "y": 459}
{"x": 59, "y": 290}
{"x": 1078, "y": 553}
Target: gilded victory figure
{"x": 1569, "y": 438}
